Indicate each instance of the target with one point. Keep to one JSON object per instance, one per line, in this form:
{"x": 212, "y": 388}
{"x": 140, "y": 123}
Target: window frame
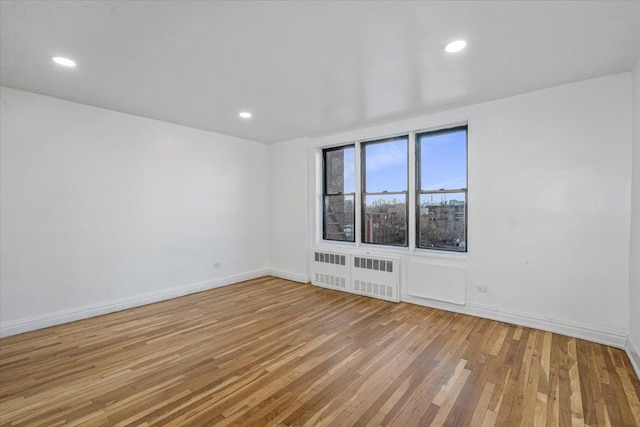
{"x": 325, "y": 194}
{"x": 364, "y": 193}
{"x": 419, "y": 191}
{"x": 412, "y": 212}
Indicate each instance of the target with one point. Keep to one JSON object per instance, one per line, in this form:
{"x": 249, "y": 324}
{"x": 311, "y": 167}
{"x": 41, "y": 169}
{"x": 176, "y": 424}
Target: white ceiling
{"x": 306, "y": 68}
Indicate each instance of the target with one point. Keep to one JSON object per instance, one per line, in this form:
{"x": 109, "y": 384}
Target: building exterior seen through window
{"x": 339, "y": 193}
{"x": 440, "y": 196}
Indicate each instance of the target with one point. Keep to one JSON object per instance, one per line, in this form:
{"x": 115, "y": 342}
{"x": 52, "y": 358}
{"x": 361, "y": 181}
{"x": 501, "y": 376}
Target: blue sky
{"x": 443, "y": 161}
{"x": 443, "y": 164}
{"x": 386, "y": 165}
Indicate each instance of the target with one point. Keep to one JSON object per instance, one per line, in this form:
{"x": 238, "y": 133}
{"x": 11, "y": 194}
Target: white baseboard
{"x": 84, "y": 312}
{"x": 634, "y": 356}
{"x": 605, "y": 336}
{"x": 296, "y": 277}
{"x": 596, "y": 334}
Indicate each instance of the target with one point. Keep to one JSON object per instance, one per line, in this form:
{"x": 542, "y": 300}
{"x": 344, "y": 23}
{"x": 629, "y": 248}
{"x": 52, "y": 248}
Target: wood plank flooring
{"x": 278, "y": 353}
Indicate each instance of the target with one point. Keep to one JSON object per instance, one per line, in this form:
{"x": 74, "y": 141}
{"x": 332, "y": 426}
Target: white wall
{"x": 102, "y": 210}
{"x": 634, "y": 254}
{"x": 287, "y": 209}
{"x": 549, "y": 211}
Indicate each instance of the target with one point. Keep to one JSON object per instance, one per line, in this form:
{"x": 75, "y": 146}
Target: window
{"x": 393, "y": 203}
{"x": 441, "y": 196}
{"x": 338, "y": 196}
{"x": 384, "y": 191}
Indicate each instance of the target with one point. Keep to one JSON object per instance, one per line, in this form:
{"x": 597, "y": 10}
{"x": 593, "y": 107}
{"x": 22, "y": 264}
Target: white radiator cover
{"x": 376, "y": 276}
{"x": 438, "y": 281}
{"x": 362, "y": 274}
{"x": 330, "y": 270}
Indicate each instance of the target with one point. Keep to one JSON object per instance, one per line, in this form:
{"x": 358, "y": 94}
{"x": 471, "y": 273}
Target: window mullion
{"x": 357, "y": 202}
{"x": 411, "y": 194}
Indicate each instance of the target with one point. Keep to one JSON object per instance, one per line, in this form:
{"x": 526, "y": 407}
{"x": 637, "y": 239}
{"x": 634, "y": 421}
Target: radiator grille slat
{"x": 375, "y": 264}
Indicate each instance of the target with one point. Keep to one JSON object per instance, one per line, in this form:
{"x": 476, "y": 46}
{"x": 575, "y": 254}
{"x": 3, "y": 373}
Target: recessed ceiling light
{"x": 245, "y": 114}
{"x": 64, "y": 61}
{"x": 455, "y": 46}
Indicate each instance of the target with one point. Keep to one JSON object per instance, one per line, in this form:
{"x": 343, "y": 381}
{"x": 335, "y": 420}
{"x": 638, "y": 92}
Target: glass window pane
{"x": 442, "y": 221}
{"x": 443, "y": 160}
{"x": 386, "y": 165}
{"x": 339, "y": 218}
{"x": 385, "y": 219}
{"x": 340, "y": 170}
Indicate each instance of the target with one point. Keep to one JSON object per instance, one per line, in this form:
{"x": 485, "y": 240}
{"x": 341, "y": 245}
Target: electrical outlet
{"x": 217, "y": 264}
{"x": 483, "y": 289}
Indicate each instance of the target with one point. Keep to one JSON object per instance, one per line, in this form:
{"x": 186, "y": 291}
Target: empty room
{"x": 320, "y": 213}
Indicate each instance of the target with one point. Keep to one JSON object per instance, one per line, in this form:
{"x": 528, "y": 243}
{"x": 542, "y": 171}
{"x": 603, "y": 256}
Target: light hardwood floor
{"x": 274, "y": 352}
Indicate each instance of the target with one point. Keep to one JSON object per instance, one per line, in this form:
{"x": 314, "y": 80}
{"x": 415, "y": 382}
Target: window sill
{"x": 351, "y": 248}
